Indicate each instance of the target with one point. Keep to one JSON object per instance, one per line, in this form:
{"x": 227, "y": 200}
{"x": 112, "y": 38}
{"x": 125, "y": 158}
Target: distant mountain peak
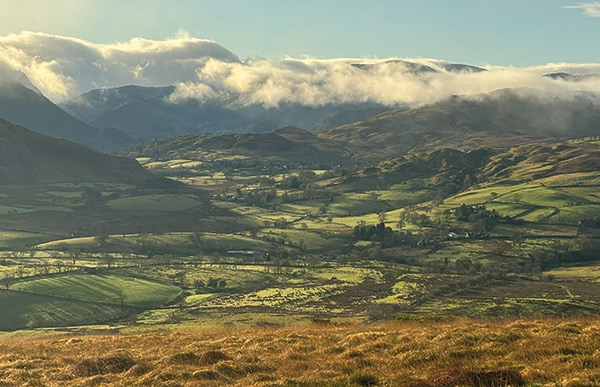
{"x": 572, "y": 77}
{"x": 417, "y": 68}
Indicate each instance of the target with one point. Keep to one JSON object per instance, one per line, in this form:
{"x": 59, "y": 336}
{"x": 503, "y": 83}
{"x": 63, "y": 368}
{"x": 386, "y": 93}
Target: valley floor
{"x": 462, "y": 352}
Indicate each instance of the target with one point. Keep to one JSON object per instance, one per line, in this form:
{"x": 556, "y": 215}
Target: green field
{"x": 309, "y": 240}
{"x": 152, "y": 203}
{"x": 101, "y": 288}
{"x": 252, "y": 243}
{"x": 543, "y": 196}
{"x": 357, "y": 204}
{"x": 175, "y": 242}
{"x": 20, "y": 238}
{"x": 26, "y": 310}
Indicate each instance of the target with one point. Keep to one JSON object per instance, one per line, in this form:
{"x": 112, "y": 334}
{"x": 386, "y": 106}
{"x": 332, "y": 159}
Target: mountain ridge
{"x": 24, "y": 106}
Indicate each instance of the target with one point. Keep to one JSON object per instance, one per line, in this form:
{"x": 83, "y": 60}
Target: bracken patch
{"x": 103, "y": 365}
{"x": 461, "y": 377}
{"x": 205, "y": 359}
{"x": 213, "y": 357}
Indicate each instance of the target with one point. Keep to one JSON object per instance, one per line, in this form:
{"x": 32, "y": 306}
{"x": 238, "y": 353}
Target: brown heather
{"x": 557, "y": 353}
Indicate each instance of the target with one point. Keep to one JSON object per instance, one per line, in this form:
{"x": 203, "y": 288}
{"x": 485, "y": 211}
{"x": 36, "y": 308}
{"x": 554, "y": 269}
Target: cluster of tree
{"x": 411, "y": 215}
{"x": 390, "y": 238}
{"x": 212, "y": 283}
{"x": 374, "y": 233}
{"x": 298, "y": 181}
{"x": 584, "y": 249}
{"x": 482, "y": 220}
{"x": 259, "y": 197}
{"x": 311, "y": 191}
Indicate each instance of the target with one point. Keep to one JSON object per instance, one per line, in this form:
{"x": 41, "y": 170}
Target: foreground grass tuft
{"x": 462, "y": 377}
{"x": 103, "y": 365}
{"x": 457, "y": 353}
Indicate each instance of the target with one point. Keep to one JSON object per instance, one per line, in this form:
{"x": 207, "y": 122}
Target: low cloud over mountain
{"x": 64, "y": 67}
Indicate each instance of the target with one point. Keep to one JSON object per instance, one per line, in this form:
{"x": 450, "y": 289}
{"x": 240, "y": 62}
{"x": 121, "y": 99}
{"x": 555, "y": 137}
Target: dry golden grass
{"x": 558, "y": 353}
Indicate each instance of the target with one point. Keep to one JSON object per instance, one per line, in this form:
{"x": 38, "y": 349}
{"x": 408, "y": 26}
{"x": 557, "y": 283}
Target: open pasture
{"x": 11, "y": 239}
{"x": 101, "y": 288}
{"x": 155, "y": 203}
{"x": 29, "y": 310}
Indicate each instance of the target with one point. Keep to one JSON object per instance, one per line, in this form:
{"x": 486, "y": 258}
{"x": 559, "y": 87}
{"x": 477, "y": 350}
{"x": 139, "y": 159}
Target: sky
{"x": 478, "y": 32}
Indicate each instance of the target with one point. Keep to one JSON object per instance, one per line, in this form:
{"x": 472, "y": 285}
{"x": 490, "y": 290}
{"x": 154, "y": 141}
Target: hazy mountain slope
{"x": 28, "y": 157}
{"x": 349, "y": 116}
{"x": 285, "y": 144}
{"x": 503, "y": 118}
{"x": 145, "y": 113}
{"x": 23, "y": 106}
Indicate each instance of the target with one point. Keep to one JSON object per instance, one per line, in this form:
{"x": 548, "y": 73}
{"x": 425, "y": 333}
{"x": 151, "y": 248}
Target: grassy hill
{"x": 285, "y": 144}
{"x": 499, "y": 119}
{"x": 28, "y": 157}
{"x": 545, "y": 161}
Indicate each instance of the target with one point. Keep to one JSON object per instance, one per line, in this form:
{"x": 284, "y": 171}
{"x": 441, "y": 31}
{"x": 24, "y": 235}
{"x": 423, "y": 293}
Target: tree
{"x": 7, "y": 280}
{"x": 101, "y": 234}
{"x": 108, "y": 260}
{"x": 121, "y": 295}
{"x": 518, "y": 240}
{"x": 302, "y": 245}
{"x": 467, "y": 182}
{"x": 282, "y": 223}
{"x": 401, "y": 222}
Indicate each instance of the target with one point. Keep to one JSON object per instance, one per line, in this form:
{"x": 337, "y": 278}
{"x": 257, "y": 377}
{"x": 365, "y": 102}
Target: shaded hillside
{"x": 286, "y": 144}
{"x": 23, "y": 106}
{"x": 28, "y": 157}
{"x": 502, "y": 118}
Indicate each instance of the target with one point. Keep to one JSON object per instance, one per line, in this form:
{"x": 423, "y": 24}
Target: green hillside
{"x": 287, "y": 144}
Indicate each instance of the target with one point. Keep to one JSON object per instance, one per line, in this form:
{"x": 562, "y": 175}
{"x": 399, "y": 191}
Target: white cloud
{"x": 589, "y": 9}
{"x": 64, "y": 67}
{"x": 390, "y": 81}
